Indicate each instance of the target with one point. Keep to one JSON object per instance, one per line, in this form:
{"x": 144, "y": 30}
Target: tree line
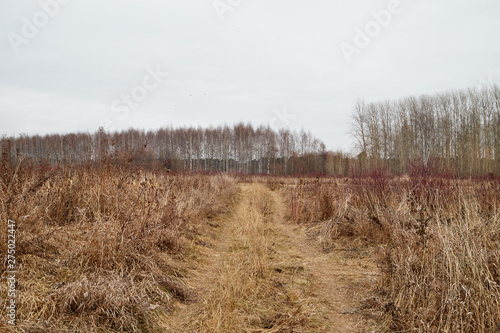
{"x": 459, "y": 130}
{"x": 241, "y": 148}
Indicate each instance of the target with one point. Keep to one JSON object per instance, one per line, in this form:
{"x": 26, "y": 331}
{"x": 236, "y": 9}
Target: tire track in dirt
{"x": 341, "y": 279}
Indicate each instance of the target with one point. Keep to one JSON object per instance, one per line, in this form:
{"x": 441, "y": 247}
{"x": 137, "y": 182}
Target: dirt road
{"x": 260, "y": 273}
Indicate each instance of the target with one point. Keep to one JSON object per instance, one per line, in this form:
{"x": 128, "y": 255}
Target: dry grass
{"x": 110, "y": 250}
{"x": 104, "y": 250}
{"x": 240, "y": 271}
{"x": 242, "y": 291}
{"x": 438, "y": 242}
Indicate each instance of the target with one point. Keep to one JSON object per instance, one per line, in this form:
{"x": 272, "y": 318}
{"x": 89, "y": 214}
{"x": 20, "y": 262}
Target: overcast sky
{"x": 75, "y": 65}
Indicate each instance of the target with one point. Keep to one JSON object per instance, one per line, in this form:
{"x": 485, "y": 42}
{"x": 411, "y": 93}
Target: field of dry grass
{"x": 115, "y": 250}
{"x": 104, "y": 250}
{"x": 437, "y": 240}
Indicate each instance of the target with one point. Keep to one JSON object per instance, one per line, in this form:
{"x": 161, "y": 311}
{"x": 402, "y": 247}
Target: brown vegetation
{"x": 437, "y": 239}
{"x": 105, "y": 249}
{"x": 112, "y": 250}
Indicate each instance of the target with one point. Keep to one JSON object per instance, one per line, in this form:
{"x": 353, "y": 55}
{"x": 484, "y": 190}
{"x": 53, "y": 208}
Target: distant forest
{"x": 456, "y": 132}
{"x": 237, "y": 149}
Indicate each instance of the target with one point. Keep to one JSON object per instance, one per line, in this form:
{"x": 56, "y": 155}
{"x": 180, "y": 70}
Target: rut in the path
{"x": 262, "y": 274}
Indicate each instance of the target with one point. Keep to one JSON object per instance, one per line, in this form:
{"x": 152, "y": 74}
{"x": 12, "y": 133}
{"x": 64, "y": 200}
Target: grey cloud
{"x": 264, "y": 55}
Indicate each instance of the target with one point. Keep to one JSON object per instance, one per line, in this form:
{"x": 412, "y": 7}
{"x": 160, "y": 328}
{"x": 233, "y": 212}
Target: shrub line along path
{"x": 261, "y": 273}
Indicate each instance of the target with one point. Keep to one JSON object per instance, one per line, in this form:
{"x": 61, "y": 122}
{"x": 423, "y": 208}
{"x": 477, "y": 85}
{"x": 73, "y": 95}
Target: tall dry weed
{"x": 102, "y": 250}
{"x": 440, "y": 241}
